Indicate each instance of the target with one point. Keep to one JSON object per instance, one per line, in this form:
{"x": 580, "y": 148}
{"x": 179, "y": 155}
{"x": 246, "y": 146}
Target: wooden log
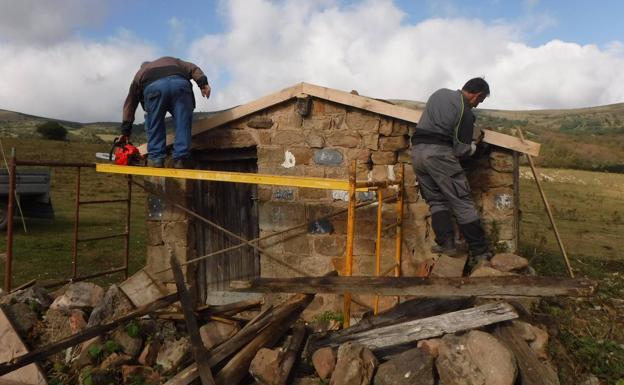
{"x": 532, "y": 370}
{"x": 515, "y": 286}
{"x": 228, "y": 309}
{"x": 292, "y": 353}
{"x": 238, "y": 367}
{"x": 407, "y": 332}
{"x": 84, "y": 335}
{"x": 200, "y": 354}
{"x": 240, "y": 339}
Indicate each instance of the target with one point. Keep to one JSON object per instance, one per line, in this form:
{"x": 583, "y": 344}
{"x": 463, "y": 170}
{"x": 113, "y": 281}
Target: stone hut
{"x": 309, "y": 131}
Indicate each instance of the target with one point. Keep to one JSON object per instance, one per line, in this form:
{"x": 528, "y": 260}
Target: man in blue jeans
{"x": 162, "y": 86}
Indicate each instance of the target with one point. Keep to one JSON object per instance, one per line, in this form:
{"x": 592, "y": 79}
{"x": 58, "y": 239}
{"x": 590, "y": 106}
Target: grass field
{"x": 588, "y": 335}
{"x": 44, "y": 251}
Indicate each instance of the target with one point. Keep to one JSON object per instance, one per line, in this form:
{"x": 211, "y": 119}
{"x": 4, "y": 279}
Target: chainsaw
{"x": 124, "y": 153}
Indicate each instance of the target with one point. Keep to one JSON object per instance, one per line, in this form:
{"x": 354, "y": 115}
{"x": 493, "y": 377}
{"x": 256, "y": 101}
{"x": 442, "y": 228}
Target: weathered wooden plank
{"x": 398, "y": 334}
{"x": 517, "y": 286}
{"x": 532, "y": 370}
{"x": 362, "y": 102}
{"x": 141, "y": 288}
{"x": 197, "y": 347}
{"x": 511, "y": 142}
{"x": 244, "y": 336}
{"x": 11, "y": 345}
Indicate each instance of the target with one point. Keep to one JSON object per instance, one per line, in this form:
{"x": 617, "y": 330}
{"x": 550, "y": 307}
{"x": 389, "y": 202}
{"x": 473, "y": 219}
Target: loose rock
{"x": 355, "y": 365}
{"x": 79, "y": 295}
{"x": 509, "y": 262}
{"x": 412, "y": 367}
{"x": 324, "y": 361}
{"x": 172, "y": 354}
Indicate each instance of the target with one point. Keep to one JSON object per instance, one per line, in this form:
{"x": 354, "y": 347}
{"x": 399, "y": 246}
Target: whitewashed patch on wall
{"x": 289, "y": 160}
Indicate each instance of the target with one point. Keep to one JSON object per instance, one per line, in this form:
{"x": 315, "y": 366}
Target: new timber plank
{"x": 516, "y": 286}
{"x": 511, "y": 142}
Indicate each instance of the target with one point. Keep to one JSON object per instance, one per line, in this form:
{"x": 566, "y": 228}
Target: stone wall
{"x": 317, "y": 138}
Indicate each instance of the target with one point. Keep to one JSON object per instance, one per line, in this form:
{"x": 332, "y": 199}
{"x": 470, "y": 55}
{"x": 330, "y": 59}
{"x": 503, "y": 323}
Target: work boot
{"x": 158, "y": 163}
{"x": 475, "y": 237}
{"x": 477, "y": 261}
{"x": 184, "y": 163}
{"x": 447, "y": 248}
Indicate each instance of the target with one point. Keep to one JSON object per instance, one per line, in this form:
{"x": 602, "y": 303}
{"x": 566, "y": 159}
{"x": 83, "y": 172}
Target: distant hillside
{"x": 584, "y": 138}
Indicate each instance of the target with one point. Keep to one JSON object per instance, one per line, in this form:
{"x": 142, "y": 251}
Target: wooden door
{"x": 234, "y": 207}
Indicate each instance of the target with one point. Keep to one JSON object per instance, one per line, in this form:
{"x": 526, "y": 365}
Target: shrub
{"x": 52, "y": 131}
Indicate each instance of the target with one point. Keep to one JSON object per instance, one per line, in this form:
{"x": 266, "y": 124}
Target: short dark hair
{"x": 477, "y": 86}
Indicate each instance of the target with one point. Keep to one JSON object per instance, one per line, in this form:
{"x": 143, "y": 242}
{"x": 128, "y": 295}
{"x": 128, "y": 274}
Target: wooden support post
{"x": 292, "y": 353}
{"x": 378, "y": 245}
{"x": 8, "y": 262}
{"x": 200, "y": 354}
{"x": 350, "y": 240}
{"x": 399, "y": 227}
{"x": 548, "y": 211}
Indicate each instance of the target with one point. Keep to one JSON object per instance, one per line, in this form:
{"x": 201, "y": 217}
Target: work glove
{"x": 205, "y": 91}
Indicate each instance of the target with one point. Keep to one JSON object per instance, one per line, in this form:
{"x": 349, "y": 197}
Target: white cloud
{"x": 44, "y": 22}
{"x": 268, "y": 45}
{"x": 76, "y": 79}
{"x": 368, "y": 46}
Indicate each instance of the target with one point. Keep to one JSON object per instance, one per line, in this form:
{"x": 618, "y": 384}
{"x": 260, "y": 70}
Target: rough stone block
{"x": 414, "y": 366}
{"x": 329, "y": 245}
{"x": 400, "y": 127}
{"x": 314, "y": 139}
{"x": 260, "y": 122}
{"x": 154, "y": 233}
{"x": 287, "y": 138}
{"x": 324, "y": 361}
{"x": 214, "y": 333}
{"x": 509, "y": 262}
{"x": 355, "y": 365}
{"x": 393, "y": 143}
{"x": 383, "y": 157}
{"x": 447, "y": 266}
{"x": 363, "y": 246}
{"x": 498, "y": 203}
{"x": 177, "y": 233}
{"x": 405, "y": 156}
{"x": 281, "y": 215}
{"x": 385, "y": 126}
{"x": 303, "y": 155}
{"x": 360, "y": 155}
{"x": 342, "y": 139}
{"x": 315, "y": 211}
{"x": 297, "y": 245}
{"x": 362, "y": 121}
{"x": 313, "y": 194}
{"x": 315, "y": 266}
{"x": 270, "y": 155}
{"x": 371, "y": 141}
{"x": 224, "y": 138}
{"x": 318, "y": 124}
{"x": 501, "y": 161}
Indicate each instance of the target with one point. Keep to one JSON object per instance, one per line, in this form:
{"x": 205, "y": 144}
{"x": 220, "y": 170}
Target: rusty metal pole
{"x": 76, "y": 220}
{"x": 399, "y": 227}
{"x": 8, "y": 265}
{"x": 378, "y": 245}
{"x": 350, "y": 239}
{"x": 128, "y": 217}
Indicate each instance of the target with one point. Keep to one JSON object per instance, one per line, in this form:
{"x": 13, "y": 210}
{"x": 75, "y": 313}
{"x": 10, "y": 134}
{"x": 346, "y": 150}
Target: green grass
{"x": 587, "y": 335}
{"x": 44, "y": 251}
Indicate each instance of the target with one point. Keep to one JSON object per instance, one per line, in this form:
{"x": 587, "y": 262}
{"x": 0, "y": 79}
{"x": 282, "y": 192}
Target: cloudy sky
{"x": 74, "y": 59}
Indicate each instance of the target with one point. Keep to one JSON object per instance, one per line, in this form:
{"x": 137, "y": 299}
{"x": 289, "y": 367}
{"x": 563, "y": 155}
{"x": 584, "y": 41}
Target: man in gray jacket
{"x": 443, "y": 136}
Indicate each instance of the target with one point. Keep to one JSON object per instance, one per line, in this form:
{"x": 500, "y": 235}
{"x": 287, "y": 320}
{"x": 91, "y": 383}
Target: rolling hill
{"x": 584, "y": 138}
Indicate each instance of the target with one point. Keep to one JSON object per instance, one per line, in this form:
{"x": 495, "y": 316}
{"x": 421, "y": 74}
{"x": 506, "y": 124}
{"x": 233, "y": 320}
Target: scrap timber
{"x": 501, "y": 286}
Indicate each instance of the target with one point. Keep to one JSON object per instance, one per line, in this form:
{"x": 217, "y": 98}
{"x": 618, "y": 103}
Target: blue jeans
{"x": 173, "y": 94}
